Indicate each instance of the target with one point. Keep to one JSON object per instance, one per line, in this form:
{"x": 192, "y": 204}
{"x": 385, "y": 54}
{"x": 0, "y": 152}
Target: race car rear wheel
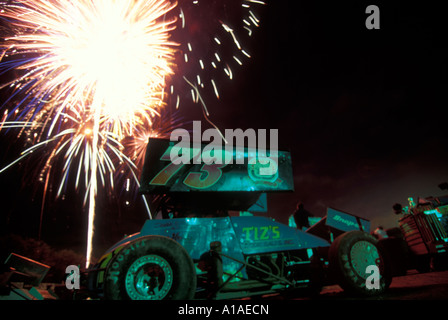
{"x": 353, "y": 257}
{"x": 151, "y": 268}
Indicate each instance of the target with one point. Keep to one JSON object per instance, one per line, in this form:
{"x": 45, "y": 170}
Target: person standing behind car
{"x": 301, "y": 216}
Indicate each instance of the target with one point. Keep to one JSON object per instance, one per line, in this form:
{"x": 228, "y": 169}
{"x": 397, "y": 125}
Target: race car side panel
{"x": 238, "y": 235}
{"x": 262, "y": 235}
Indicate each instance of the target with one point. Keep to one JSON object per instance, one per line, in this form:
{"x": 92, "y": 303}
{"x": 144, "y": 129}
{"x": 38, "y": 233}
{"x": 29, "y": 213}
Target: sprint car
{"x": 421, "y": 240}
{"x": 201, "y": 249}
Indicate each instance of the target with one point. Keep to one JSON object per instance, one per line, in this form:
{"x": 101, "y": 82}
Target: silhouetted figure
{"x": 398, "y": 208}
{"x": 443, "y": 186}
{"x": 301, "y": 217}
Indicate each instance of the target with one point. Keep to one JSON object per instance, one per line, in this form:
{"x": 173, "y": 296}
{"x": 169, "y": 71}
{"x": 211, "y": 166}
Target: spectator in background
{"x": 301, "y": 216}
{"x": 398, "y": 208}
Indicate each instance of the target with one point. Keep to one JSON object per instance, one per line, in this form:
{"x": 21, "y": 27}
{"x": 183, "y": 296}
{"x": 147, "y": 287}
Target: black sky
{"x": 363, "y": 113}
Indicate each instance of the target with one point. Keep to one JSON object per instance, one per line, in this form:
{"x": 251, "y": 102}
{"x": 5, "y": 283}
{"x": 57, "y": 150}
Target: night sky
{"x": 363, "y": 113}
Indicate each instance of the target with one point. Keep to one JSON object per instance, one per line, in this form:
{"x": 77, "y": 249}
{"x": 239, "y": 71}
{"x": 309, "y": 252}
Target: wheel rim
{"x": 149, "y": 278}
{"x": 364, "y": 254}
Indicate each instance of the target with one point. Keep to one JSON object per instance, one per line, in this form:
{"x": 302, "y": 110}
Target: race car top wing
{"x": 164, "y": 171}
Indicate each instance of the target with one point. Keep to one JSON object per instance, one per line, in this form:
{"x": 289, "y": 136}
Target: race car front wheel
{"x": 151, "y": 268}
{"x": 358, "y": 264}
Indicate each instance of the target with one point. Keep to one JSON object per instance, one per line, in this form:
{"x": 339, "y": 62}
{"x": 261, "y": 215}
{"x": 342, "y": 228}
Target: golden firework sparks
{"x": 89, "y": 73}
{"x": 97, "y": 71}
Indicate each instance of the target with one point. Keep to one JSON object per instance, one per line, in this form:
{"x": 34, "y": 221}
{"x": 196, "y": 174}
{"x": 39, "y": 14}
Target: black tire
{"x": 151, "y": 268}
{"x": 423, "y": 263}
{"x": 350, "y": 255}
{"x": 396, "y": 253}
{"x": 439, "y": 262}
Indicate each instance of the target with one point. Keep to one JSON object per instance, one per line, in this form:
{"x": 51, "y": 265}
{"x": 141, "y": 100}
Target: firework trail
{"x": 83, "y": 76}
{"x": 102, "y": 61}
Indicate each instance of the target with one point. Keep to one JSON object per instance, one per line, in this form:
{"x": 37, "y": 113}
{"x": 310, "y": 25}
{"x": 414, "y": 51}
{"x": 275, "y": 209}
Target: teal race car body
{"x": 203, "y": 248}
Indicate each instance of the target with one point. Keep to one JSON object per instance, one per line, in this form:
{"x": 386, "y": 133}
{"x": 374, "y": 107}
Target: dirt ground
{"x": 413, "y": 286}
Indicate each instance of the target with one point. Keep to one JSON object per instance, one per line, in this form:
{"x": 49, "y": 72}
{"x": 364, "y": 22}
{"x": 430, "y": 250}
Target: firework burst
{"x": 97, "y": 72}
{"x": 89, "y": 77}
